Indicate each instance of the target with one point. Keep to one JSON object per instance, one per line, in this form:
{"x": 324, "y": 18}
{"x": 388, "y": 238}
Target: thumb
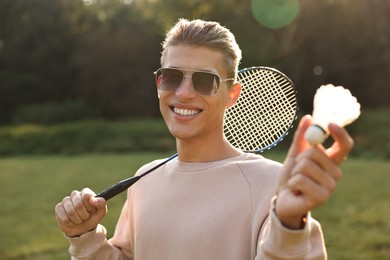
{"x": 97, "y": 202}
{"x": 100, "y": 207}
{"x": 93, "y": 204}
{"x": 298, "y": 145}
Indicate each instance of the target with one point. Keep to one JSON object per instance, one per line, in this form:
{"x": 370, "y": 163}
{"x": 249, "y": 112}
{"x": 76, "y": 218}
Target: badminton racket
{"x": 260, "y": 119}
{"x": 265, "y": 111}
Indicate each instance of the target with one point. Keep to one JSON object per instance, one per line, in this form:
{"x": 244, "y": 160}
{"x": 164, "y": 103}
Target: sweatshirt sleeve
{"x": 94, "y": 244}
{"x": 279, "y": 242}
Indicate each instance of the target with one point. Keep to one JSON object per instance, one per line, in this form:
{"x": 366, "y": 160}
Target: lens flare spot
{"x": 317, "y": 70}
{"x": 275, "y": 13}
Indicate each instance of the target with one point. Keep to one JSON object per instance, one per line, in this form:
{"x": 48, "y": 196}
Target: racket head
{"x": 265, "y": 111}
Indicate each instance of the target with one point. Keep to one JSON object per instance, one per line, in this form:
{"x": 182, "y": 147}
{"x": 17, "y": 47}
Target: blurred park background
{"x": 68, "y": 61}
{"x": 77, "y": 98}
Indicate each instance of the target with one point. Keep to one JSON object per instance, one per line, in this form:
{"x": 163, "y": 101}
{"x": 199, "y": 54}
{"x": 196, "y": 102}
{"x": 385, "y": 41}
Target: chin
{"x": 182, "y": 134}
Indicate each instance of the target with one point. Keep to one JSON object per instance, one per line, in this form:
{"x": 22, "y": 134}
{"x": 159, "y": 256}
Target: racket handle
{"x": 125, "y": 184}
{"x": 118, "y": 188}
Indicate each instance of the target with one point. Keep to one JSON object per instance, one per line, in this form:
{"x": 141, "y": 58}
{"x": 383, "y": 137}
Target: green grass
{"x": 354, "y": 220}
{"x": 32, "y": 186}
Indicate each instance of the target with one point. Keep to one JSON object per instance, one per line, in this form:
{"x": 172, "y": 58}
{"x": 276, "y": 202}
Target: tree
{"x": 344, "y": 43}
{"x": 105, "y": 53}
{"x": 36, "y": 59}
{"x": 116, "y": 61}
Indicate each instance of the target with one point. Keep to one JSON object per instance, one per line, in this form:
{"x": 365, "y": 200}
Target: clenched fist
{"x": 80, "y": 212}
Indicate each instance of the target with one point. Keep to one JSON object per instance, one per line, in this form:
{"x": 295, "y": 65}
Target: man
{"x": 213, "y": 201}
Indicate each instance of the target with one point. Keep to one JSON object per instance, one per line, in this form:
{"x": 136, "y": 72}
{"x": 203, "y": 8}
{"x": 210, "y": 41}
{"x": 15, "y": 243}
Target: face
{"x": 188, "y": 114}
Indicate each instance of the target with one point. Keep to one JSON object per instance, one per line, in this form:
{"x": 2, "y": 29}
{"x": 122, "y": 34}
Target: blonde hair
{"x": 205, "y": 34}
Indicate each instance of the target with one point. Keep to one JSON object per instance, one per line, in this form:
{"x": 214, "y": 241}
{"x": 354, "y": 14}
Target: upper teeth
{"x": 185, "y": 112}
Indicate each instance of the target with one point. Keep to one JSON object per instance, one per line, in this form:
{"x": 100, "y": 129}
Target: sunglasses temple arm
{"x": 125, "y": 184}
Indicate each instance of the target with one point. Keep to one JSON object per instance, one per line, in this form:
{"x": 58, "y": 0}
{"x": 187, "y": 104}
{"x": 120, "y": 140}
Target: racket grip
{"x": 118, "y": 188}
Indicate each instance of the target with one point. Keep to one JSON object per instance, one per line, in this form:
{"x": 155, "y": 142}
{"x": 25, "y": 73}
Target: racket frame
{"x": 294, "y": 93}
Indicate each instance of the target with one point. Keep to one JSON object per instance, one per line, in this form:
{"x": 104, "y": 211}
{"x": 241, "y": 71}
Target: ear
{"x": 234, "y": 94}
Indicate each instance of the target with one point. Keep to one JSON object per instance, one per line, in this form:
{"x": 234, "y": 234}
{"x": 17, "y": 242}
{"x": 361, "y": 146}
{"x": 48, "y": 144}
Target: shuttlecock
{"x": 331, "y": 105}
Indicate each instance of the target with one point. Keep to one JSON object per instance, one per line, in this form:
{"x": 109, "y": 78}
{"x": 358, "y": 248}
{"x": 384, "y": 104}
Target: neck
{"x": 195, "y": 151}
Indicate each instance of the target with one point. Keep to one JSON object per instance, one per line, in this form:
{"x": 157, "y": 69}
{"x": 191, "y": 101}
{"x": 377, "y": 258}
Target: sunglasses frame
{"x": 212, "y": 92}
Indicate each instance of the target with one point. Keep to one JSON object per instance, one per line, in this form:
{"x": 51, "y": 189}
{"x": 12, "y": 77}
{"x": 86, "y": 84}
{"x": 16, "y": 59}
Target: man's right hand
{"x": 80, "y": 212}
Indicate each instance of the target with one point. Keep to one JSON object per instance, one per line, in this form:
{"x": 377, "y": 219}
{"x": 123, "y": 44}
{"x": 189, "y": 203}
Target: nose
{"x": 186, "y": 89}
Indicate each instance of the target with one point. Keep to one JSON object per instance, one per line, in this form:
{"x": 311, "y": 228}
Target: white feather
{"x": 331, "y": 105}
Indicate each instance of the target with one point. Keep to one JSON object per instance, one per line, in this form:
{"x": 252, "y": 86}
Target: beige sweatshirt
{"x": 200, "y": 211}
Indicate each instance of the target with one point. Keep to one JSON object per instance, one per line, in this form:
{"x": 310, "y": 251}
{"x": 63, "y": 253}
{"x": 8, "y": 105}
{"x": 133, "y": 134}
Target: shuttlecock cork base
{"x": 315, "y": 135}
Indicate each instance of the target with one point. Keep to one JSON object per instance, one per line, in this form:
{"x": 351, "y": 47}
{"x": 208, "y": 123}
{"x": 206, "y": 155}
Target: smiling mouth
{"x": 185, "y": 112}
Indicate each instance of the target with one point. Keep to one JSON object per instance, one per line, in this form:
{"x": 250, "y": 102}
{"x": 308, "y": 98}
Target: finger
{"x": 312, "y": 170}
{"x": 61, "y": 216}
{"x": 97, "y": 206}
{"x": 86, "y": 195}
{"x": 313, "y": 193}
{"x": 296, "y": 147}
{"x": 70, "y": 211}
{"x": 319, "y": 160}
{"x": 98, "y": 202}
{"x": 342, "y": 146}
{"x": 94, "y": 204}
{"x": 299, "y": 144}
{"x": 80, "y": 207}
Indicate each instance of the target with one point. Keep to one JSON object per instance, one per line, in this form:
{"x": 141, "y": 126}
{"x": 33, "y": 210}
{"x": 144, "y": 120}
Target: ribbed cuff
{"x": 88, "y": 242}
{"x": 286, "y": 242}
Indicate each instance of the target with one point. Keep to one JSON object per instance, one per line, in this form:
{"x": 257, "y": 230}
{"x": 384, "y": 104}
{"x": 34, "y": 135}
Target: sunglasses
{"x": 204, "y": 83}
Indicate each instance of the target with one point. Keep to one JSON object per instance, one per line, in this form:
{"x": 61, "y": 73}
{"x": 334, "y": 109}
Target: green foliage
{"x": 105, "y": 52}
{"x": 36, "y": 62}
{"x": 55, "y": 113}
{"x": 371, "y": 134}
{"x": 83, "y": 137}
{"x": 13, "y": 92}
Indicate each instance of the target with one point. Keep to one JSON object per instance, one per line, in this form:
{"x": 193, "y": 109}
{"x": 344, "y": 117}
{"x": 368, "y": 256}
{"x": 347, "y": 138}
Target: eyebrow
{"x": 213, "y": 72}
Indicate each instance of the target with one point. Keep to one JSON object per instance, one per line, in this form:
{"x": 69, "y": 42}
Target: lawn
{"x": 354, "y": 220}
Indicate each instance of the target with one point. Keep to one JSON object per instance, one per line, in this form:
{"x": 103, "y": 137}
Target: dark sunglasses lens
{"x": 169, "y": 79}
{"x": 205, "y": 83}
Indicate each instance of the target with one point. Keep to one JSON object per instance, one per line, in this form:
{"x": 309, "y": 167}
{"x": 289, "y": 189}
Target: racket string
{"x": 264, "y": 112}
